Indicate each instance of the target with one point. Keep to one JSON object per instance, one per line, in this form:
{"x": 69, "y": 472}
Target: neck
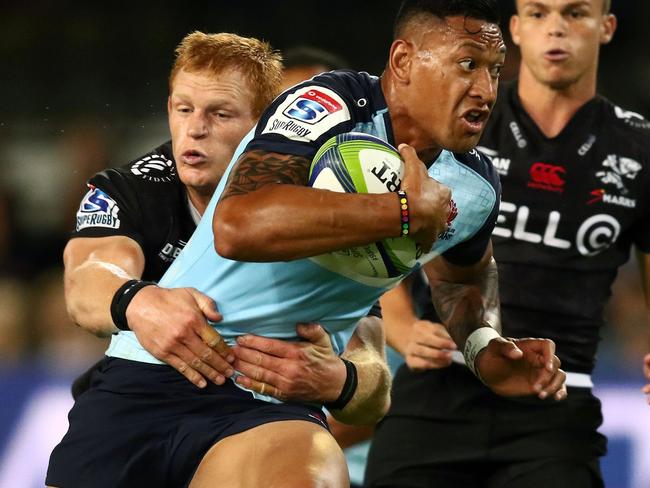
{"x": 405, "y": 129}
{"x": 552, "y": 108}
{"x": 198, "y": 199}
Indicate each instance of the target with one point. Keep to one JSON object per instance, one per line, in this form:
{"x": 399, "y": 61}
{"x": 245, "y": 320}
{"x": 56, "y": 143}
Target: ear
{"x": 607, "y": 28}
{"x": 400, "y": 60}
{"x": 514, "y": 29}
{"x": 169, "y": 104}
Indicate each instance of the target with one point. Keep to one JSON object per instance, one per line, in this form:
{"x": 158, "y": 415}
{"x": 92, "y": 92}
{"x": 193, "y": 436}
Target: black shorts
{"x": 143, "y": 424}
{"x": 446, "y": 429}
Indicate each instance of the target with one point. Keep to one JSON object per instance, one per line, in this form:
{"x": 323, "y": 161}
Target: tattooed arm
{"x": 465, "y": 297}
{"x": 266, "y": 212}
{"x": 467, "y": 301}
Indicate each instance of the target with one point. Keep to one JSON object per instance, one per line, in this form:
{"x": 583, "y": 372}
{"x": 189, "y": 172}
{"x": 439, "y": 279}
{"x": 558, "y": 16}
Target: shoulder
{"x": 628, "y": 124}
{"x": 481, "y": 164}
{"x": 307, "y": 114}
{"x": 151, "y": 170}
{"x": 333, "y": 91}
{"x": 353, "y": 83}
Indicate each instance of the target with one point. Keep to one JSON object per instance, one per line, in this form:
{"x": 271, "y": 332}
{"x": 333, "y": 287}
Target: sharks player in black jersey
{"x": 134, "y": 220}
{"x": 575, "y": 171}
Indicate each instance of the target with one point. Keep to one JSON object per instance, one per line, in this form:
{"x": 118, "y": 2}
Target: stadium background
{"x": 84, "y": 85}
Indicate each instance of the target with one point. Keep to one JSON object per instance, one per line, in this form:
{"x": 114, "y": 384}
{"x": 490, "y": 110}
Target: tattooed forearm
{"x": 463, "y": 307}
{"x": 490, "y": 292}
{"x": 257, "y": 168}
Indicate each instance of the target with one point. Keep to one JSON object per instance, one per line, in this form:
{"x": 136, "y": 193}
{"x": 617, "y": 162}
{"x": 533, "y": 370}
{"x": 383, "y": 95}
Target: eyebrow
{"x": 216, "y": 103}
{"x": 581, "y": 3}
{"x": 478, "y": 46}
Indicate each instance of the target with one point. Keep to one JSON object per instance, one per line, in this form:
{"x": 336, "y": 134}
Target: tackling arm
{"x": 94, "y": 269}
{"x": 366, "y": 350}
{"x": 310, "y": 371}
{"x": 169, "y": 323}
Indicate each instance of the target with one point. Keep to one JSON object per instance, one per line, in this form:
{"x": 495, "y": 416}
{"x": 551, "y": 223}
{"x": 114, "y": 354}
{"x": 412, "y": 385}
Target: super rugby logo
{"x": 307, "y": 114}
{"x": 97, "y": 209}
{"x": 154, "y": 168}
{"x": 312, "y": 107}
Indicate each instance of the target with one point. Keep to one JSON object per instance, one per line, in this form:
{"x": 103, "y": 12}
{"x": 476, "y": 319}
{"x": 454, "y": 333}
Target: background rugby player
{"x": 575, "y": 170}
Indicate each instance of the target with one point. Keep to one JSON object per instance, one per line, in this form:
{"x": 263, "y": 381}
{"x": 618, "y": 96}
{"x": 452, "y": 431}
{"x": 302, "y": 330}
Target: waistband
{"x": 575, "y": 380}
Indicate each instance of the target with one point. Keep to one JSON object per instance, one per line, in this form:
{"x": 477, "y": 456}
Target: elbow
{"x": 85, "y": 320}
{"x": 225, "y": 240}
{"x": 230, "y": 229}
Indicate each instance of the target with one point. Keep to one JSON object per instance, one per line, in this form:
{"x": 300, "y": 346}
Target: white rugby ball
{"x": 354, "y": 162}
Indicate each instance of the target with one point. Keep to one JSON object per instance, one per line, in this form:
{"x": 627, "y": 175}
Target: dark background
{"x": 83, "y": 85}
{"x": 110, "y": 59}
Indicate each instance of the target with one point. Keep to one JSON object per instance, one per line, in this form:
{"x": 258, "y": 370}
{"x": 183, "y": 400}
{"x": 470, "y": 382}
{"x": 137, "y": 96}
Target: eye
{"x": 183, "y": 109}
{"x": 222, "y": 115}
{"x": 495, "y": 71}
{"x": 535, "y": 14}
{"x": 468, "y": 64}
{"x": 576, "y": 14}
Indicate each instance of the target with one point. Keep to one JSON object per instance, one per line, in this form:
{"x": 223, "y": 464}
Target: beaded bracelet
{"x": 404, "y": 212}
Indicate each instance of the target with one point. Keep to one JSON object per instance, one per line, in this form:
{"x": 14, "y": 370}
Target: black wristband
{"x": 349, "y": 387}
{"x": 121, "y": 300}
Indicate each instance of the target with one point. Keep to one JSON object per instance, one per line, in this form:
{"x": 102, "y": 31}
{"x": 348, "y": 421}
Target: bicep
{"x": 257, "y": 168}
{"x": 120, "y": 251}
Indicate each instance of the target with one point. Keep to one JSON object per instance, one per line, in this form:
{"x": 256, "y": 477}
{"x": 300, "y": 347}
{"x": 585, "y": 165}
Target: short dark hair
{"x": 476, "y": 9}
{"x": 300, "y": 56}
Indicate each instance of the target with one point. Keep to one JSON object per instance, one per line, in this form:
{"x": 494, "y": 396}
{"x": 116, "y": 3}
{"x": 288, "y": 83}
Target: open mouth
{"x": 475, "y": 119}
{"x": 192, "y": 156}
{"x": 556, "y": 55}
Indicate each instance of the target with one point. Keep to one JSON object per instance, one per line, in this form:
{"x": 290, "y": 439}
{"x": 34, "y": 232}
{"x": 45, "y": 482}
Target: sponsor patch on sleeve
{"x": 97, "y": 209}
{"x": 307, "y": 114}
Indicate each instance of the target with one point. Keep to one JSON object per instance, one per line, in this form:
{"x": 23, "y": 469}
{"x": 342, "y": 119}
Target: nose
{"x": 484, "y": 87}
{"x": 197, "y": 127}
{"x": 556, "y": 25}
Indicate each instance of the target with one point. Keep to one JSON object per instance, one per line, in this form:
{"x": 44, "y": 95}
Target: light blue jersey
{"x": 269, "y": 299}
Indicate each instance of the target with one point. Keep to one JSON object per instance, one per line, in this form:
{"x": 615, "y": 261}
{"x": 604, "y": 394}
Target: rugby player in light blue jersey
{"x": 433, "y": 101}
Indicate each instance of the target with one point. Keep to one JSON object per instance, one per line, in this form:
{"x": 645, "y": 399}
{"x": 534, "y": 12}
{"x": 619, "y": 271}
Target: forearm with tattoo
{"x": 464, "y": 307}
{"x": 258, "y": 168}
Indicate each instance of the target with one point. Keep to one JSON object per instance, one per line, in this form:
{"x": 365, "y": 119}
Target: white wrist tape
{"x": 475, "y": 343}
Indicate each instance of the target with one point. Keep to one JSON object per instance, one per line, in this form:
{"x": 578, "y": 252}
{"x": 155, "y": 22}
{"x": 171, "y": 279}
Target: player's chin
{"x": 464, "y": 143}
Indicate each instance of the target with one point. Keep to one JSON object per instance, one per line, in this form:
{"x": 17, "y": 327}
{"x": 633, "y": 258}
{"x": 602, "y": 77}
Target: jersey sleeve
{"x": 109, "y": 208}
{"x": 375, "y": 310}
{"x": 472, "y": 250}
{"x": 302, "y": 118}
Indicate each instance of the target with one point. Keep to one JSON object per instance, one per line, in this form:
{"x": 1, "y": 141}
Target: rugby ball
{"x": 361, "y": 163}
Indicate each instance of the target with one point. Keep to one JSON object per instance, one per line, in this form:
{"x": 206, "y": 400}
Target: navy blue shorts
{"x": 144, "y": 424}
